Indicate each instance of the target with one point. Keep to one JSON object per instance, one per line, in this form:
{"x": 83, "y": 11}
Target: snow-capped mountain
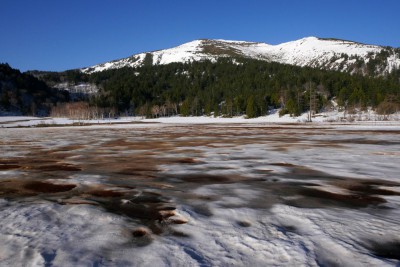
{"x": 332, "y": 54}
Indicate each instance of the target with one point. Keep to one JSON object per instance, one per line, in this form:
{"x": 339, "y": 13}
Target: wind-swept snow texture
{"x": 200, "y": 195}
{"x": 329, "y": 54}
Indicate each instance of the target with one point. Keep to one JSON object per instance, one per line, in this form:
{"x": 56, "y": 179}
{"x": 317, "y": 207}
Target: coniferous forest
{"x": 227, "y": 87}
{"x": 23, "y": 94}
{"x": 236, "y": 87}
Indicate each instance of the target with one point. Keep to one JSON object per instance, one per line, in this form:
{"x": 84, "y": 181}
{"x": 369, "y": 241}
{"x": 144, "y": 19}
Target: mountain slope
{"x": 24, "y": 94}
{"x": 330, "y": 54}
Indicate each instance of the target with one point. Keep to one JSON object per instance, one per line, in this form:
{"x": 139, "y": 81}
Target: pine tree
{"x": 250, "y": 108}
{"x": 216, "y": 110}
{"x": 185, "y": 108}
{"x": 291, "y": 107}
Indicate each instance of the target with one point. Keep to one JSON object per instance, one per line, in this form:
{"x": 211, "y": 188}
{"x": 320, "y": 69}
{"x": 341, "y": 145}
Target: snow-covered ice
{"x": 159, "y": 194}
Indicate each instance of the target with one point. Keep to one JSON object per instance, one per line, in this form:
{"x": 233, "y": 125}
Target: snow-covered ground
{"x": 155, "y": 194}
{"x": 366, "y": 117}
{"x": 22, "y": 121}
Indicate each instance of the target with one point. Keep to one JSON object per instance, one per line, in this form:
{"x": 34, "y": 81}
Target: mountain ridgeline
{"x": 230, "y": 78}
{"x": 328, "y": 54}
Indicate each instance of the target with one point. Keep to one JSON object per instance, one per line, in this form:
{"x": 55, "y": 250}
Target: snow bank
{"x": 361, "y": 118}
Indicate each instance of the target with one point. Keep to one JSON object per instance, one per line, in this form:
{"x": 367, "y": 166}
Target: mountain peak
{"x": 327, "y": 53}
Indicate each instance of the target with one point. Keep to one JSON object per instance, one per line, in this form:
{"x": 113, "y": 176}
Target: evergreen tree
{"x": 291, "y": 108}
{"x": 216, "y": 110}
{"x": 185, "y": 108}
{"x": 5, "y": 100}
{"x": 250, "y": 108}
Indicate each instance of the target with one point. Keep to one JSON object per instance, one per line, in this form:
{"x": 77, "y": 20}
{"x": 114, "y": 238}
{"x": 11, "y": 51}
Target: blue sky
{"x": 59, "y": 34}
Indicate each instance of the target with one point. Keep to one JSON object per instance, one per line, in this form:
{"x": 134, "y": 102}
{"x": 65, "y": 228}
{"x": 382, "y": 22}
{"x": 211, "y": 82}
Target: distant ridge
{"x": 325, "y": 53}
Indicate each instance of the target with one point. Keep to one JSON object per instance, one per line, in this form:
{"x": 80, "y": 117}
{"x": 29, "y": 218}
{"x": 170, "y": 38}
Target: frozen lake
{"x": 200, "y": 195}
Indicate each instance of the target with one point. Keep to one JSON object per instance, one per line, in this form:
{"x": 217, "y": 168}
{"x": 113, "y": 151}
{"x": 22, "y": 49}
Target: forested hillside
{"x": 23, "y": 94}
{"x": 226, "y": 87}
{"x": 232, "y": 87}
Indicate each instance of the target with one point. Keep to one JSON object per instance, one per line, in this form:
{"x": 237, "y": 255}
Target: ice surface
{"x": 200, "y": 195}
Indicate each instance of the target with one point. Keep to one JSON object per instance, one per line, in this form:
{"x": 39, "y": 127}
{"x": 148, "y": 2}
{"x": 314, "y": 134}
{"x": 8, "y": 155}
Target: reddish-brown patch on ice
{"x": 6, "y": 167}
{"x": 368, "y": 187}
{"x": 140, "y": 232}
{"x": 179, "y": 220}
{"x": 45, "y": 187}
{"x": 56, "y": 167}
{"x": 105, "y": 193}
{"x": 206, "y": 178}
{"x": 183, "y": 161}
{"x": 350, "y": 200}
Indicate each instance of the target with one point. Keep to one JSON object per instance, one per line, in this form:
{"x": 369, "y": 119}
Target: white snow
{"x": 85, "y": 88}
{"x": 310, "y": 51}
{"x": 9, "y": 122}
{"x": 8, "y": 119}
{"x": 393, "y": 63}
{"x": 368, "y": 117}
{"x": 184, "y": 53}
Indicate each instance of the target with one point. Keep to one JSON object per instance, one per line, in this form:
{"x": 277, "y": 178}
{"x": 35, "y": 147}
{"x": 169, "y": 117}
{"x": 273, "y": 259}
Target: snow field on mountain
{"x": 310, "y": 51}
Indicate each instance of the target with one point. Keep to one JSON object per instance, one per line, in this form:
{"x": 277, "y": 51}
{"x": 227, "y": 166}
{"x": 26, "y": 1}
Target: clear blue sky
{"x": 64, "y": 34}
